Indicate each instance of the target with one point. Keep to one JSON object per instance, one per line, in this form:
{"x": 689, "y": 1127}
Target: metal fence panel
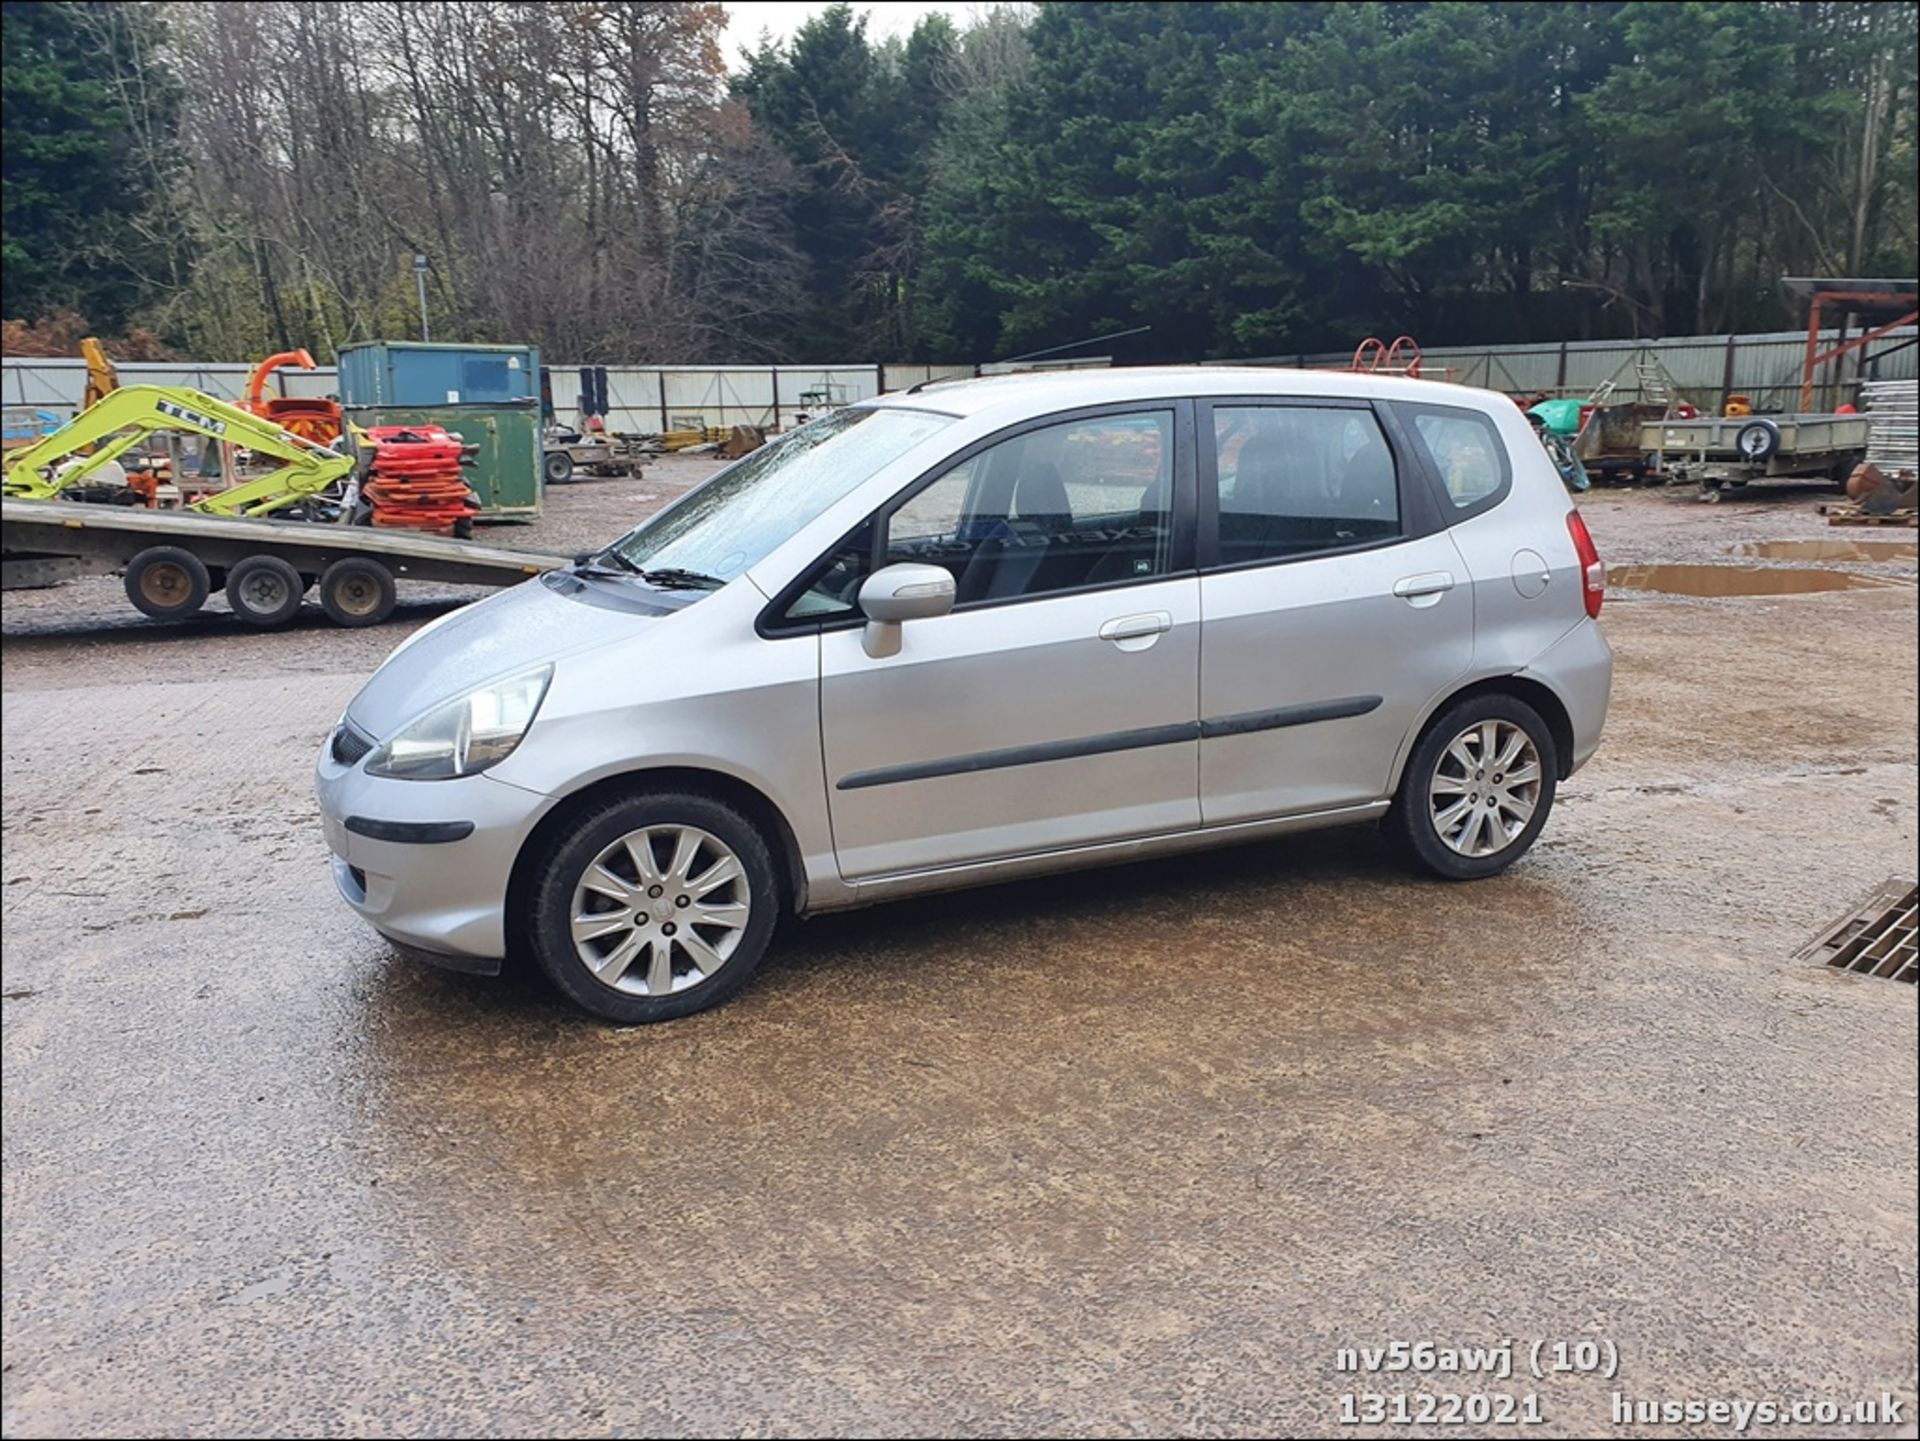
{"x": 1766, "y": 367}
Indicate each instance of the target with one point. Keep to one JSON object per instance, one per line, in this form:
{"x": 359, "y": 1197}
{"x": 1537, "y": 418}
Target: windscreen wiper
{"x": 587, "y": 563}
{"x": 674, "y": 578}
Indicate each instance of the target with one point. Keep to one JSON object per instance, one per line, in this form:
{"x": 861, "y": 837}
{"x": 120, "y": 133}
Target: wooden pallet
{"x": 1846, "y": 512}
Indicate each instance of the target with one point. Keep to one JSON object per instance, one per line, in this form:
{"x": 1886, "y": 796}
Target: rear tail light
{"x": 1593, "y": 571}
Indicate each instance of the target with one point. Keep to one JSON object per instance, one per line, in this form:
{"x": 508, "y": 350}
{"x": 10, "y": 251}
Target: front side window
{"x": 734, "y": 520}
{"x": 1465, "y": 450}
{"x": 1295, "y": 480}
{"x": 1082, "y": 503}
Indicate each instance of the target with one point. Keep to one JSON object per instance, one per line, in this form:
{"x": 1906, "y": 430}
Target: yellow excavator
{"x": 125, "y": 416}
{"x": 102, "y": 378}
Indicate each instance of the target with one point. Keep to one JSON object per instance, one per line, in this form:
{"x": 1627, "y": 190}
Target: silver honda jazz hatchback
{"x": 980, "y": 630}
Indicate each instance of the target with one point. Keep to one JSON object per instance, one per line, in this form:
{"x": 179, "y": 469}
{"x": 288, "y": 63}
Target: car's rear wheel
{"x": 653, "y": 907}
{"x": 1477, "y": 788}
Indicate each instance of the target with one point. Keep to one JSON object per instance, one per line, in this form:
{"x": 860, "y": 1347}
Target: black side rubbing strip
{"x": 1294, "y": 715}
{"x": 1022, "y": 756}
{"x": 419, "y": 833}
{"x": 1233, "y": 725}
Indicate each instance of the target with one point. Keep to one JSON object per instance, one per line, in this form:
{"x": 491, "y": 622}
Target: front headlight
{"x": 464, "y": 736}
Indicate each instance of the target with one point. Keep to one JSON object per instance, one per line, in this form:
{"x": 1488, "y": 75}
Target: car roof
{"x": 1039, "y": 392}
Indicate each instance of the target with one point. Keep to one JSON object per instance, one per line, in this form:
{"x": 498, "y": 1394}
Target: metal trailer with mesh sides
{"x": 173, "y": 560}
{"x": 1730, "y": 451}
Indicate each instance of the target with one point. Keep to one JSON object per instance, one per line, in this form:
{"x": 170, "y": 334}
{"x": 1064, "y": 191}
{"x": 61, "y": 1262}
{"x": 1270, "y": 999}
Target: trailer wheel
{"x": 167, "y": 583}
{"x": 1757, "y": 440}
{"x": 264, "y": 590}
{"x": 357, "y": 591}
{"x": 558, "y": 467}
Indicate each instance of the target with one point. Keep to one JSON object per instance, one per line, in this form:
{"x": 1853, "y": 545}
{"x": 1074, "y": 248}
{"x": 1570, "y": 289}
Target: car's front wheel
{"x": 1477, "y": 788}
{"x": 652, "y": 907}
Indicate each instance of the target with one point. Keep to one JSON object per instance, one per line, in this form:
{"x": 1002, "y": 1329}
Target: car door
{"x": 1056, "y": 704}
{"x": 1335, "y": 605}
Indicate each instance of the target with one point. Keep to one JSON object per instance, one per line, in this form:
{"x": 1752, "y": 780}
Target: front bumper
{"x": 447, "y": 895}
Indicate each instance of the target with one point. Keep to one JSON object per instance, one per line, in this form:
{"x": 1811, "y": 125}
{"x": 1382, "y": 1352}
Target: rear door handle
{"x": 1141, "y": 629}
{"x": 1433, "y": 583}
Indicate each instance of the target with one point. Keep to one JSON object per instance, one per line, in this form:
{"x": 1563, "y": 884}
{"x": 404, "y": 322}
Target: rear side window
{"x": 1465, "y": 450}
{"x": 1294, "y": 480}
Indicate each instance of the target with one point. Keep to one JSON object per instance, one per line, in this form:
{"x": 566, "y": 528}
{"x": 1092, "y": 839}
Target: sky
{"x": 746, "y": 20}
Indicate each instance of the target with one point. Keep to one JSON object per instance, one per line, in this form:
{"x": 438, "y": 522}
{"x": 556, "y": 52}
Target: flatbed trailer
{"x": 174, "y": 559}
{"x": 1732, "y": 450}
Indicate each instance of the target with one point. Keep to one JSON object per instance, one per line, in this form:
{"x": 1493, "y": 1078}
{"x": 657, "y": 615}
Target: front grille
{"x": 349, "y": 746}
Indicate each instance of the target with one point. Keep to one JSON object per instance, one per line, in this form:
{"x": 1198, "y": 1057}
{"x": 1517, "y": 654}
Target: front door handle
{"x": 1137, "y": 632}
{"x": 1432, "y": 583}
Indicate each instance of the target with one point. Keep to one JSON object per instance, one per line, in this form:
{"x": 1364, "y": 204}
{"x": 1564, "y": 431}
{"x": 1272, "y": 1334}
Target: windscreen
{"x": 733, "y": 521}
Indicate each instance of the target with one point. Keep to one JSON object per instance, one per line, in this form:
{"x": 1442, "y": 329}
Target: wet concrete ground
{"x": 1130, "y": 1151}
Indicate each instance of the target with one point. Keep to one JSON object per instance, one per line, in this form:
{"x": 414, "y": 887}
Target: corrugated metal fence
{"x": 639, "y": 398}
{"x": 642, "y": 398}
{"x": 1705, "y": 369}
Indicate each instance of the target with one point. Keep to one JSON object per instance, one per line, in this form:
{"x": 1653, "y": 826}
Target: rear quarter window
{"x": 1466, "y": 453}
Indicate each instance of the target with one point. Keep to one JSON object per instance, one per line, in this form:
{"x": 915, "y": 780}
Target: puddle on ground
{"x": 1725, "y": 580}
{"x": 1826, "y": 551}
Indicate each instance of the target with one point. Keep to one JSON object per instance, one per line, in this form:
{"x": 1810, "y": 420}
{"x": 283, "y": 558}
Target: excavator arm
{"x": 133, "y": 412}
{"x": 102, "y": 378}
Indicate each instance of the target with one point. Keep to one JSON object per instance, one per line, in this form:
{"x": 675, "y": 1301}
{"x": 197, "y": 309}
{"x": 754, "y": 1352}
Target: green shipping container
{"x": 506, "y": 472}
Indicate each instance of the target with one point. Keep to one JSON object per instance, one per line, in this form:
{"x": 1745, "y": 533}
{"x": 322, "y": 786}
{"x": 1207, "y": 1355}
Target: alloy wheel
{"x": 1485, "y": 788}
{"x": 660, "y": 910}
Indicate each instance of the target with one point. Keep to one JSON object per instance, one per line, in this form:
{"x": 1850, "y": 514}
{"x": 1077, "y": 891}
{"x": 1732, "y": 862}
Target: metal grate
{"x": 1877, "y": 939}
{"x": 349, "y": 745}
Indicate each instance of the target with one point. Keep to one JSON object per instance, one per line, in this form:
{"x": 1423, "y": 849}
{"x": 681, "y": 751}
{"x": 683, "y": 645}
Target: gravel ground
{"x": 1126, "y": 1151}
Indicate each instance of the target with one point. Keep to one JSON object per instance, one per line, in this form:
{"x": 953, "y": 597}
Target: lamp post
{"x": 420, "y": 280}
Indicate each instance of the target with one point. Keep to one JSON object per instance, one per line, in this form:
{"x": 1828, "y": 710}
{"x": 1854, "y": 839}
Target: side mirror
{"x": 897, "y": 593}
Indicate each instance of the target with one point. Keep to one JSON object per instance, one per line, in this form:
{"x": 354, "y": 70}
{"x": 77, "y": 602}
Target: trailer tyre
{"x": 167, "y": 583}
{"x": 558, "y": 467}
{"x": 1757, "y": 440}
{"x": 357, "y": 591}
{"x": 264, "y": 590}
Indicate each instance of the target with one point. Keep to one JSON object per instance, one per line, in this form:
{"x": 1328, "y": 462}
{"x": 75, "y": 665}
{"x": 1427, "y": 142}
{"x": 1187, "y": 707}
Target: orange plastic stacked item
{"x": 415, "y": 481}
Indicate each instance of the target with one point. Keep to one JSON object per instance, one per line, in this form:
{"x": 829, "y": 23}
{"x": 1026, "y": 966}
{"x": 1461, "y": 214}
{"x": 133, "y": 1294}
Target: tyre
{"x": 1757, "y": 440}
{"x": 557, "y": 467}
{"x": 652, "y": 907}
{"x": 1477, "y": 788}
{"x": 357, "y": 591}
{"x": 264, "y": 590}
{"x": 167, "y": 583}
{"x": 463, "y": 528}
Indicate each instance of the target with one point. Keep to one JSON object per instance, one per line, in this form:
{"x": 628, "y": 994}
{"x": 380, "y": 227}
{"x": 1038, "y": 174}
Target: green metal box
{"x": 506, "y": 472}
